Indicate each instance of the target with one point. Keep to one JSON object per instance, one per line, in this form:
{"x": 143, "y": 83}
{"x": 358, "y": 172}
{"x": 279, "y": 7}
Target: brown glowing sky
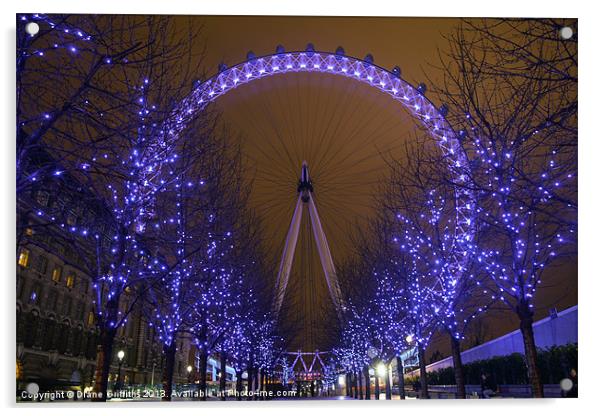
{"x": 341, "y": 127}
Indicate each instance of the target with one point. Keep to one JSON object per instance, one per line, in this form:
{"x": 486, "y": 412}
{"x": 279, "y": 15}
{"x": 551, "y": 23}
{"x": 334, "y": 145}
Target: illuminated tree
{"x": 95, "y": 102}
{"x": 511, "y": 87}
{"x": 418, "y": 264}
{"x": 216, "y": 283}
{"x": 404, "y": 269}
{"x": 375, "y": 326}
{"x": 179, "y": 238}
{"x": 420, "y": 200}
{"x": 249, "y": 335}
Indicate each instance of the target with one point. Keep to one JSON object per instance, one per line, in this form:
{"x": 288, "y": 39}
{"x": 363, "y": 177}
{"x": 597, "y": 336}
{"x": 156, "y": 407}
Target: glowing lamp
{"x": 381, "y": 370}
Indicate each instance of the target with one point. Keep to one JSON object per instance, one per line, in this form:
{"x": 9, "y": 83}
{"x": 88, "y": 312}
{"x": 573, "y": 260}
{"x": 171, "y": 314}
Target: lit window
{"x": 28, "y": 232}
{"x": 91, "y": 318}
{"x": 56, "y": 274}
{"x": 24, "y": 258}
{"x": 70, "y": 280}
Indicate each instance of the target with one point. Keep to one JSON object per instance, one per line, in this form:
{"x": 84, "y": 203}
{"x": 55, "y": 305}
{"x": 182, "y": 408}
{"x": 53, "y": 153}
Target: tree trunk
{"x": 267, "y": 385}
{"x": 238, "y": 385}
{"x": 203, "y": 375}
{"x": 367, "y": 379}
{"x": 350, "y": 376}
{"x": 104, "y": 354}
{"x": 348, "y": 385}
{"x": 261, "y": 385}
{"x": 376, "y": 387}
{"x": 359, "y": 384}
{"x": 526, "y": 328}
{"x": 400, "y": 382}
{"x": 356, "y": 394}
{"x": 266, "y": 382}
{"x": 388, "y": 384}
{"x": 424, "y": 388}
{"x": 250, "y": 375}
{"x": 256, "y": 382}
{"x": 222, "y": 376}
{"x": 170, "y": 358}
{"x": 458, "y": 370}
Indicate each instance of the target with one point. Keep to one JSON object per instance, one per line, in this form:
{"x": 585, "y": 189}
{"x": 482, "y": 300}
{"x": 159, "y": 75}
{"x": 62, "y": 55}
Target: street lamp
{"x": 189, "y": 371}
{"x": 120, "y": 356}
{"x": 381, "y": 370}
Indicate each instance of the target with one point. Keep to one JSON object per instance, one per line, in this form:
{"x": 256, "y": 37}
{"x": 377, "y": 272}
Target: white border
{"x": 589, "y": 184}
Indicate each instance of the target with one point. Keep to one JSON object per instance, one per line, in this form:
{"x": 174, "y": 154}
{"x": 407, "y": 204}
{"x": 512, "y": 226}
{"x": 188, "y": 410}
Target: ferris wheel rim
{"x": 411, "y": 98}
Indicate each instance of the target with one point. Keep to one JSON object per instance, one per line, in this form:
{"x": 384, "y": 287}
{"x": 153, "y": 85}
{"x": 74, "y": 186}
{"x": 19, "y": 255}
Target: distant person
{"x": 416, "y": 385}
{"x": 488, "y": 387}
{"x": 573, "y": 377}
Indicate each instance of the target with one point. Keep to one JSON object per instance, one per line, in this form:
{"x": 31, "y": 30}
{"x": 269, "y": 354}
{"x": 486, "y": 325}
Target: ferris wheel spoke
{"x": 346, "y": 130}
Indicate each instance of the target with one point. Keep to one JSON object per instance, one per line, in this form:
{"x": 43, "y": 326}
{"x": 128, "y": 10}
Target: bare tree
{"x": 178, "y": 239}
{"x": 93, "y": 94}
{"x": 511, "y": 87}
{"x": 422, "y": 199}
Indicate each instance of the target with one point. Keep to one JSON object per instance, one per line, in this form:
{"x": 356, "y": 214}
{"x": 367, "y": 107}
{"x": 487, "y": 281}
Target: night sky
{"x": 344, "y": 129}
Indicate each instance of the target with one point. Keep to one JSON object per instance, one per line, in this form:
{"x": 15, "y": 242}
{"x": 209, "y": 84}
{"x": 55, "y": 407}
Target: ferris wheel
{"x": 339, "y": 116}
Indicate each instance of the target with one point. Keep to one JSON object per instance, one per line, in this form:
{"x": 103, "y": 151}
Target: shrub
{"x": 554, "y": 364}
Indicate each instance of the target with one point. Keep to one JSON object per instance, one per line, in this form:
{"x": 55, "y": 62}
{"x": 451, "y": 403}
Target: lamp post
{"x": 381, "y": 370}
{"x": 411, "y": 340}
{"x": 153, "y": 374}
{"x": 400, "y": 378}
{"x": 189, "y": 370}
{"x": 120, "y": 356}
{"x": 382, "y": 373}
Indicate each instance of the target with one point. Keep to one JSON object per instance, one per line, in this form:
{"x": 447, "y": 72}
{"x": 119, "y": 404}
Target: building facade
{"x": 57, "y": 336}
